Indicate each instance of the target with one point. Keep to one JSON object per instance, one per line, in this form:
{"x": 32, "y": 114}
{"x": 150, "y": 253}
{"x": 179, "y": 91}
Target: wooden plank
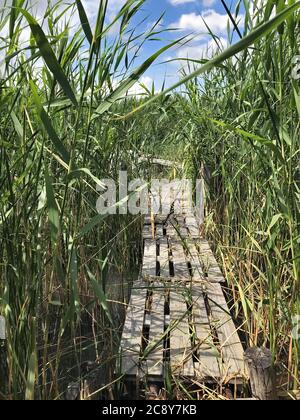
{"x": 133, "y": 329}
{"x": 149, "y": 262}
{"x": 159, "y": 231}
{"x": 186, "y": 199}
{"x": 147, "y": 232}
{"x": 231, "y": 347}
{"x": 184, "y": 232}
{"x": 159, "y": 162}
{"x": 158, "y": 321}
{"x": 179, "y": 260}
{"x": 180, "y": 340}
{"x": 192, "y": 226}
{"x": 171, "y": 231}
{"x": 208, "y": 356}
{"x": 180, "y": 225}
{"x": 181, "y": 360}
{"x": 186, "y": 207}
{"x": 180, "y": 219}
{"x": 164, "y": 258}
{"x": 147, "y": 219}
{"x": 193, "y": 259}
{"x": 160, "y": 219}
{"x": 155, "y": 360}
{"x": 209, "y": 263}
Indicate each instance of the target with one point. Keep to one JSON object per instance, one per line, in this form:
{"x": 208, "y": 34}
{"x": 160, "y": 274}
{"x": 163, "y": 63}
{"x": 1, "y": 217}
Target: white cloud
{"x": 115, "y": 4}
{"x": 194, "y": 22}
{"x": 180, "y": 2}
{"x": 138, "y": 89}
{"x": 203, "y": 50}
{"x": 208, "y": 3}
{"x": 205, "y": 3}
{"x": 216, "y": 22}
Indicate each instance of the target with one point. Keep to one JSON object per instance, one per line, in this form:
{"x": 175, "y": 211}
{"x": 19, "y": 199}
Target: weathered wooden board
{"x": 164, "y": 258}
{"x": 181, "y": 359}
{"x": 231, "y": 347}
{"x": 160, "y": 219}
{"x": 133, "y": 329}
{"x": 186, "y": 206}
{"x": 180, "y": 339}
{"x": 147, "y": 232}
{"x": 171, "y": 231}
{"x": 149, "y": 262}
{"x": 155, "y": 359}
{"x": 193, "y": 227}
{"x": 159, "y": 231}
{"x": 179, "y": 260}
{"x": 183, "y": 232}
{"x": 180, "y": 220}
{"x": 209, "y": 263}
{"x": 193, "y": 259}
{"x": 147, "y": 219}
{"x": 208, "y": 356}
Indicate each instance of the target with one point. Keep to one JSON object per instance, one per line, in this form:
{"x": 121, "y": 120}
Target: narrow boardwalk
{"x": 178, "y": 322}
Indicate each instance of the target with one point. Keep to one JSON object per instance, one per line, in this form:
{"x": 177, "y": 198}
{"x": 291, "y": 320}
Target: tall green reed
{"x": 244, "y": 122}
{"x": 57, "y": 255}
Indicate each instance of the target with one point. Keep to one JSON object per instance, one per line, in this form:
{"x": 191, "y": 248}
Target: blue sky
{"x": 186, "y": 15}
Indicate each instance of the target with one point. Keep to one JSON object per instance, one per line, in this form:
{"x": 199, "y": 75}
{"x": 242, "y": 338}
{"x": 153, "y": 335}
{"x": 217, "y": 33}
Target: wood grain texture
{"x": 133, "y": 329}
{"x": 194, "y": 260}
{"x": 181, "y": 271}
{"x": 155, "y": 359}
{"x": 150, "y": 259}
{"x": 147, "y": 232}
{"x": 192, "y": 225}
{"x": 171, "y": 231}
{"x": 231, "y": 347}
{"x": 180, "y": 340}
{"x": 159, "y": 231}
{"x": 164, "y": 258}
{"x": 262, "y": 373}
{"x": 209, "y": 262}
{"x": 208, "y": 356}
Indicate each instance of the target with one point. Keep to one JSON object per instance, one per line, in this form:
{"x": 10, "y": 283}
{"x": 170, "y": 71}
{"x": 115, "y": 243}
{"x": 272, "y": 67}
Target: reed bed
{"x": 66, "y": 121}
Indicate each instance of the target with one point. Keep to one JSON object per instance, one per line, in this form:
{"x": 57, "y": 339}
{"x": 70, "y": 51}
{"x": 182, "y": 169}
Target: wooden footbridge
{"x": 178, "y": 325}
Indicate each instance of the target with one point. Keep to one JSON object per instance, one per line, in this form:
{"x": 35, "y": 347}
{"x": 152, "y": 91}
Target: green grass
{"x": 64, "y": 126}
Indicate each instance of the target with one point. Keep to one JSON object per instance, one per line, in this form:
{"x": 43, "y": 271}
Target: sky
{"x": 184, "y": 15}
{"x": 187, "y": 17}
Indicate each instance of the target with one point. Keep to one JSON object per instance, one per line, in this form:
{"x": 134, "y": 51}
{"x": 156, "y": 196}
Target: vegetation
{"x": 66, "y": 121}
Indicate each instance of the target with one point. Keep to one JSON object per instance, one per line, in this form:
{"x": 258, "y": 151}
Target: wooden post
{"x": 3, "y": 357}
{"x": 262, "y": 373}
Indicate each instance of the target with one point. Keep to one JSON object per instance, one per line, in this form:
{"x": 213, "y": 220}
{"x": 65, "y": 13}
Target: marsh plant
{"x": 67, "y": 121}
